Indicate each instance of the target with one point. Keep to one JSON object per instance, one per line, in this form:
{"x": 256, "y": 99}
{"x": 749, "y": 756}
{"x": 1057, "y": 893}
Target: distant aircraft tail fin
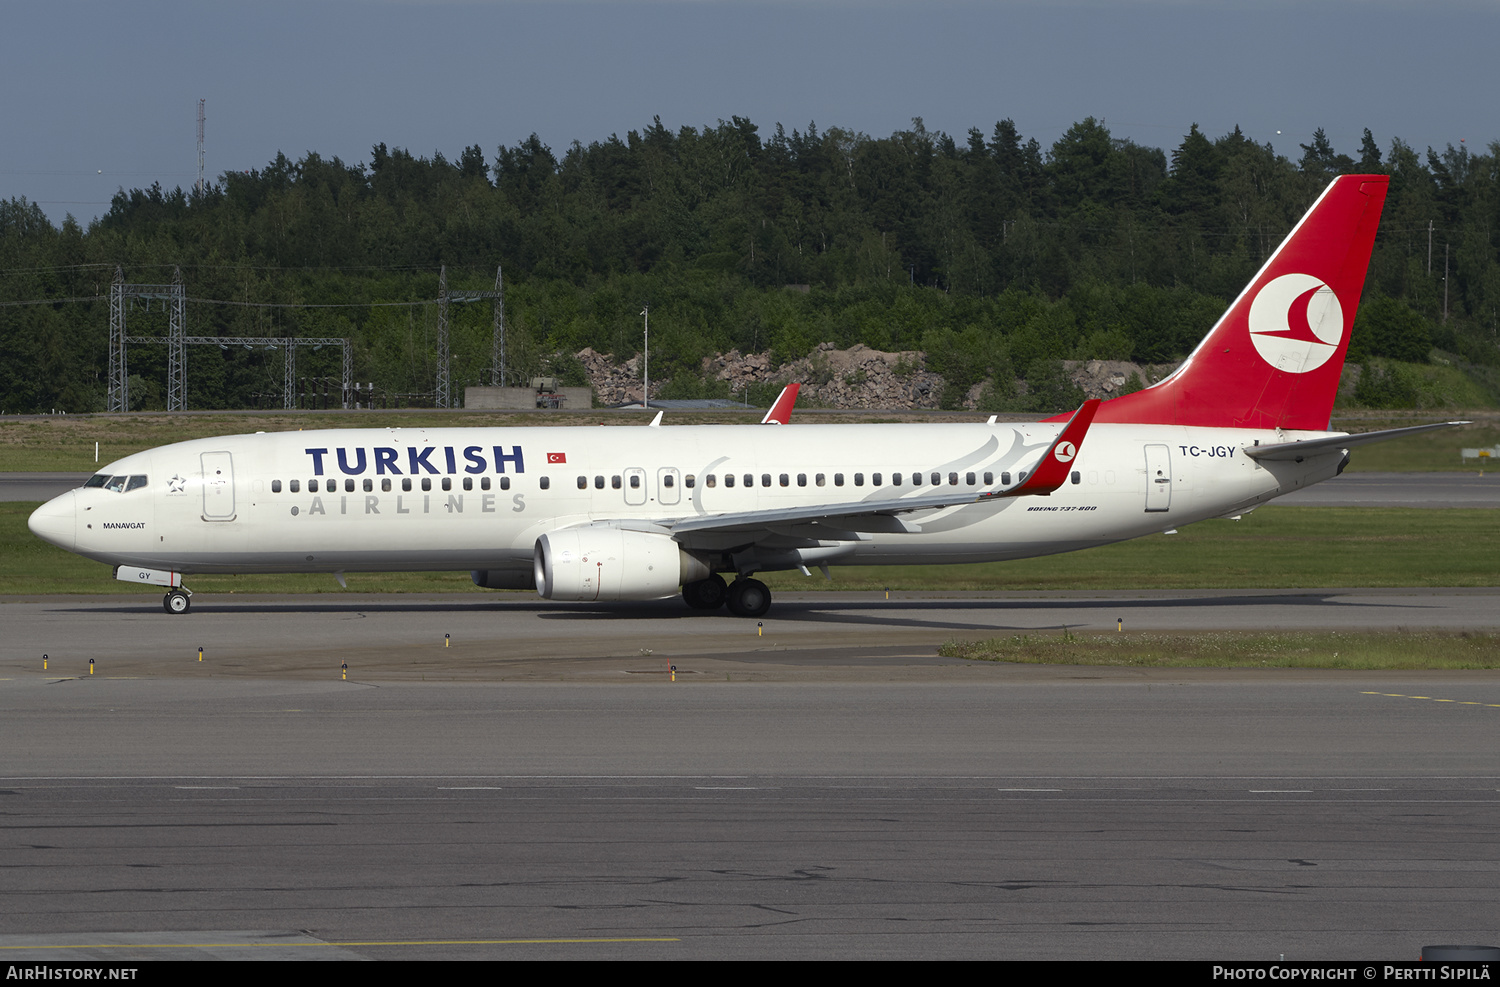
{"x": 781, "y": 411}
{"x": 1273, "y": 359}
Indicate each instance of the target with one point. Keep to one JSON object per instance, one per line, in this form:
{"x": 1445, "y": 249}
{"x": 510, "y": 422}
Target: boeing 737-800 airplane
{"x": 590, "y": 513}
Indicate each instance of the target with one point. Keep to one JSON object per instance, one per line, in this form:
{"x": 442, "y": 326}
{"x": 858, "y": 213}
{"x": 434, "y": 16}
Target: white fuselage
{"x": 479, "y": 498}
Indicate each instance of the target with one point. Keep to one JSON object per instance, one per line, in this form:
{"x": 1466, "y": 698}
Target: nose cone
{"x": 55, "y": 522}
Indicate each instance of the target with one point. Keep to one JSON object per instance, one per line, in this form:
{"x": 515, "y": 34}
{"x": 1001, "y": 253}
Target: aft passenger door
{"x": 1158, "y": 478}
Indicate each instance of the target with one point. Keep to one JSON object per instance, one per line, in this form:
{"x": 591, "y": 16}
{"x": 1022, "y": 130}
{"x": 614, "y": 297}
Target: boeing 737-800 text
{"x": 590, "y": 513}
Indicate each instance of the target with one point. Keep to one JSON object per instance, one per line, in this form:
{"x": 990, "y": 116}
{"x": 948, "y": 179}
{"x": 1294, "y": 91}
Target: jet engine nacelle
{"x": 600, "y": 562}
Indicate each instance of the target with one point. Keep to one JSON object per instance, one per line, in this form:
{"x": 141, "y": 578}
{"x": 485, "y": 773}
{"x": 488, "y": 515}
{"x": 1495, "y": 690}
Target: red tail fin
{"x": 1273, "y": 360}
{"x": 781, "y": 411}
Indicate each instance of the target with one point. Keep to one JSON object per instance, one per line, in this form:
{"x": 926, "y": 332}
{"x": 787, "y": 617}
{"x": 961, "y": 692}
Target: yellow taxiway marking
{"x": 341, "y": 942}
{"x": 1430, "y": 699}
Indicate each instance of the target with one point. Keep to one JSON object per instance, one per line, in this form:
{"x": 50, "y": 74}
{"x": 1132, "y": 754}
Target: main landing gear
{"x": 706, "y": 594}
{"x": 746, "y": 597}
{"x": 176, "y": 601}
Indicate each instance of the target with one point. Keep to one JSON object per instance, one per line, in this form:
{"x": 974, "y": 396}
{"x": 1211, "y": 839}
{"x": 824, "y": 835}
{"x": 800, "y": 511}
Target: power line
{"x": 215, "y": 301}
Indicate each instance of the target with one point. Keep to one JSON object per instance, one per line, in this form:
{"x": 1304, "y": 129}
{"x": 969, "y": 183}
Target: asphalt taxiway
{"x": 1061, "y": 813}
{"x": 541, "y": 784}
{"x": 516, "y": 637}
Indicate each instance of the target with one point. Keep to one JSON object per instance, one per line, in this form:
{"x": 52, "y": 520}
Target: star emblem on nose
{"x": 177, "y": 484}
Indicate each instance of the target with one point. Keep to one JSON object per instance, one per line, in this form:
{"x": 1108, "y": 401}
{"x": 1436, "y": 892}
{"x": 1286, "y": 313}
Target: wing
{"x": 885, "y": 515}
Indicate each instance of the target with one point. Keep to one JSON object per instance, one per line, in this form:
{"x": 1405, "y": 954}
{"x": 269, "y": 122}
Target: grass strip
{"x": 1398, "y": 650}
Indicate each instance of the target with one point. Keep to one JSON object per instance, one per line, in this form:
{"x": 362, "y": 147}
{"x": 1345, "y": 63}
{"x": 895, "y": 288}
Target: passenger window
{"x": 690, "y": 480}
{"x": 505, "y": 483}
{"x": 875, "y": 480}
{"x": 895, "y": 479}
{"x": 614, "y": 482}
{"x": 598, "y": 483}
{"x": 838, "y": 479}
{"x": 937, "y": 478}
{"x": 820, "y": 480}
{"x": 969, "y": 479}
{"x": 369, "y": 485}
{"x": 1005, "y": 479}
{"x": 312, "y": 486}
{"x": 728, "y": 479}
{"x": 786, "y": 480}
{"x": 666, "y": 481}
{"x": 952, "y": 479}
{"x": 309, "y": 486}
{"x": 426, "y": 483}
{"x": 989, "y": 479}
{"x": 1076, "y": 477}
{"x": 765, "y": 479}
{"x": 406, "y": 484}
{"x": 545, "y": 482}
{"x": 749, "y": 480}
{"x": 447, "y": 483}
{"x": 859, "y": 479}
{"x": 468, "y": 483}
{"x": 484, "y": 483}
{"x": 711, "y": 480}
{"x": 916, "y": 479}
{"x": 385, "y": 485}
{"x": 276, "y": 486}
{"x": 349, "y": 485}
{"x": 635, "y": 481}
{"x": 583, "y": 483}
{"x": 801, "y": 479}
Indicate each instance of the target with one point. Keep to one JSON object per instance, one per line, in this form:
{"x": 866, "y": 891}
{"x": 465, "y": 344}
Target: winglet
{"x": 781, "y": 411}
{"x": 1052, "y": 469}
{"x": 656, "y": 422}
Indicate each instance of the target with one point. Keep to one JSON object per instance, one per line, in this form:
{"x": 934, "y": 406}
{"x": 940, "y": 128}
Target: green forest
{"x": 994, "y": 255}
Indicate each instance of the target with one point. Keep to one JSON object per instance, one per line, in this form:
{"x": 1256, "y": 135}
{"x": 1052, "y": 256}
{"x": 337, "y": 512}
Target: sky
{"x": 96, "y": 95}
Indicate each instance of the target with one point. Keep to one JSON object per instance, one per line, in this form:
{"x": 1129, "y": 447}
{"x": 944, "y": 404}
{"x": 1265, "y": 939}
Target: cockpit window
{"x": 123, "y": 483}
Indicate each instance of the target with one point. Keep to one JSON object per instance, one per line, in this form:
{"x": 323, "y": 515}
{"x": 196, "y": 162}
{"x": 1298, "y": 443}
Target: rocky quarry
{"x": 854, "y": 378}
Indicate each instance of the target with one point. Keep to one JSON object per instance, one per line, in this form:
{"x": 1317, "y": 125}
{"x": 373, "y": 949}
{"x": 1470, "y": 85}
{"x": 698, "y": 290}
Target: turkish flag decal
{"x": 557, "y": 457}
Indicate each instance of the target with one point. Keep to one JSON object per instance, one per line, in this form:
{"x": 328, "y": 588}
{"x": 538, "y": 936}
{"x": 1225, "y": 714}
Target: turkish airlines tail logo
{"x": 1296, "y": 312}
{"x": 1296, "y": 323}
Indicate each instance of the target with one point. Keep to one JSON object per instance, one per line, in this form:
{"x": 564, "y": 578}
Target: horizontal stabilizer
{"x": 1298, "y": 451}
